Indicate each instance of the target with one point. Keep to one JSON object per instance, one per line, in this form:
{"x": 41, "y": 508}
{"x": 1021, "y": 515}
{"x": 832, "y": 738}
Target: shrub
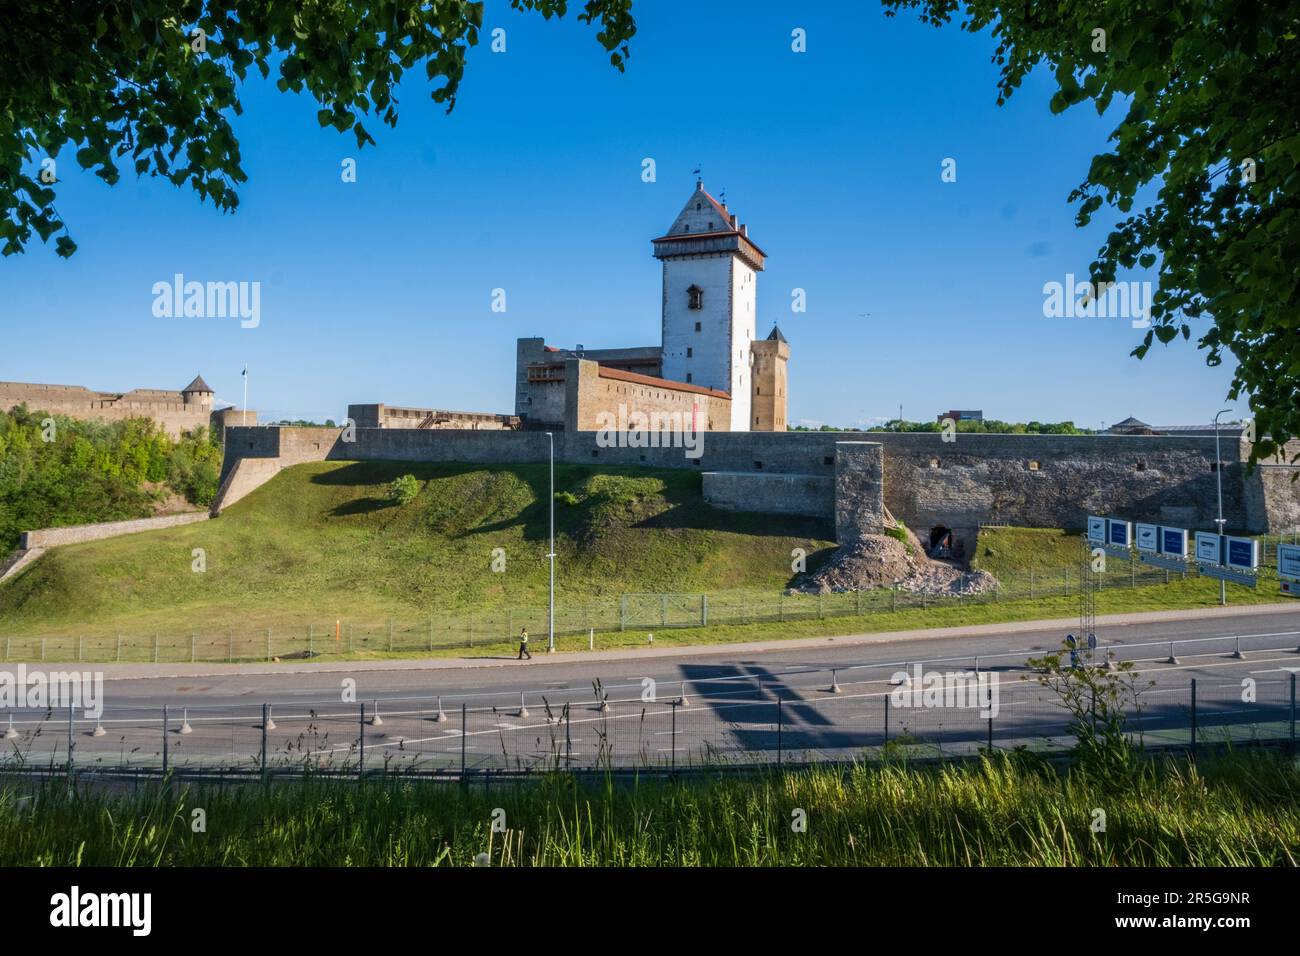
{"x": 404, "y": 489}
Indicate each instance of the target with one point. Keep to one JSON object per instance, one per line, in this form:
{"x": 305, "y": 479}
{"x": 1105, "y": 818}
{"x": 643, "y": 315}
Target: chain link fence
{"x": 605, "y": 616}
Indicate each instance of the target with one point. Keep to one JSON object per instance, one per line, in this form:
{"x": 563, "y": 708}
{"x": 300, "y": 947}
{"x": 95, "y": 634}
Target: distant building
{"x": 174, "y": 411}
{"x": 1129, "y": 426}
{"x": 1133, "y": 426}
{"x": 962, "y": 415}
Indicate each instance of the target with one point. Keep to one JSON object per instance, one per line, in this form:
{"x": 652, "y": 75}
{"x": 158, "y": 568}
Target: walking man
{"x": 523, "y": 645}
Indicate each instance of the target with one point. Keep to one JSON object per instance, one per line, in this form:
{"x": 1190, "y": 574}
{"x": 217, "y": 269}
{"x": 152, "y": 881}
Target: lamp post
{"x": 550, "y": 617}
{"x": 1218, "y": 473}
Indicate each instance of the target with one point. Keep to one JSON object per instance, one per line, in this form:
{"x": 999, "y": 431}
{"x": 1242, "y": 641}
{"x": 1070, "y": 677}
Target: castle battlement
{"x": 175, "y": 410}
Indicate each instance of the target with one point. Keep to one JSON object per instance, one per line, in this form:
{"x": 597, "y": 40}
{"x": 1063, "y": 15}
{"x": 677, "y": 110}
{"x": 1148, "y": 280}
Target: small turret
{"x": 197, "y": 393}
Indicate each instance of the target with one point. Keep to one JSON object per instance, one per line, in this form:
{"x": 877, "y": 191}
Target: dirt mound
{"x": 882, "y": 560}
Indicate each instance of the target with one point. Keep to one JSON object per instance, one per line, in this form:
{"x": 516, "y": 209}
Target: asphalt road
{"x": 749, "y": 706}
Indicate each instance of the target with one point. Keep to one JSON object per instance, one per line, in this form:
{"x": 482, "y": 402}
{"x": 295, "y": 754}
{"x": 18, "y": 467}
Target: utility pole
{"x": 1218, "y": 473}
{"x": 550, "y": 617}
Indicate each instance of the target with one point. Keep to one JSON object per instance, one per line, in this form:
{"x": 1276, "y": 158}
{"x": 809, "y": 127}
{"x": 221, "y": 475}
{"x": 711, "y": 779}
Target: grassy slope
{"x": 1017, "y": 551}
{"x": 322, "y": 541}
{"x": 1234, "y": 811}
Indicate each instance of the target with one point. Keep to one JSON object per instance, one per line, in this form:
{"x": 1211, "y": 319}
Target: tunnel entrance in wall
{"x": 941, "y": 542}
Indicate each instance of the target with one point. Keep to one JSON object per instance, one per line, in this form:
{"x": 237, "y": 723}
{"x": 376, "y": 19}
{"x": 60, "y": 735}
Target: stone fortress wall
{"x": 174, "y": 411}
{"x": 1027, "y": 480}
{"x": 596, "y": 394}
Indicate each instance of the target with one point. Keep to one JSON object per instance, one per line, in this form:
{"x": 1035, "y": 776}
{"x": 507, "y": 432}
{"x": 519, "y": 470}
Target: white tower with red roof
{"x": 710, "y": 299}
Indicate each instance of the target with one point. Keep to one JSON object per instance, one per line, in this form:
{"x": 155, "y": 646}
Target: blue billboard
{"x": 1288, "y": 561}
{"x": 1209, "y": 547}
{"x": 1241, "y": 553}
{"x": 1173, "y": 541}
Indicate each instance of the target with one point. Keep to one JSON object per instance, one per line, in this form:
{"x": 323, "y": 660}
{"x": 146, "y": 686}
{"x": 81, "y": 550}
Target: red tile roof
{"x": 639, "y": 379}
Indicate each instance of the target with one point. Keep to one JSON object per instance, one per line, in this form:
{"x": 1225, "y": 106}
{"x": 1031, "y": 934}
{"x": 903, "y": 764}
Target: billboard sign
{"x": 1147, "y": 537}
{"x": 1241, "y": 553}
{"x": 1119, "y": 534}
{"x": 1173, "y": 542}
{"x": 1288, "y": 561}
{"x": 1209, "y": 547}
{"x": 1096, "y": 530}
{"x": 1229, "y": 574}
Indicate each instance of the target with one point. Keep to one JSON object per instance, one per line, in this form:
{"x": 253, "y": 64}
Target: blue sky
{"x": 380, "y": 290}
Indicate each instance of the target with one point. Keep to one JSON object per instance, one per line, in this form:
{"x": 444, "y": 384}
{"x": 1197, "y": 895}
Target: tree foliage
{"x": 1104, "y": 704}
{"x": 57, "y": 471}
{"x": 151, "y": 85}
{"x": 1210, "y": 98}
{"x": 989, "y": 426}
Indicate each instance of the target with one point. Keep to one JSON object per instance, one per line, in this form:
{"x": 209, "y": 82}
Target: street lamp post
{"x": 550, "y": 617}
{"x": 1218, "y": 473}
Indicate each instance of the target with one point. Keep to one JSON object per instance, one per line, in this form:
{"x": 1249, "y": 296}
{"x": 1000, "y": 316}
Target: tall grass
{"x": 1238, "y": 810}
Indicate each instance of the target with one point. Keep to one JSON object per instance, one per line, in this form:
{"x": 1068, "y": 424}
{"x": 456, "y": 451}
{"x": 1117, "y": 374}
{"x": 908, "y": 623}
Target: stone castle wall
{"x": 775, "y": 493}
{"x": 1028, "y": 480}
{"x": 592, "y": 391}
{"x": 168, "y": 408}
{"x": 73, "y": 534}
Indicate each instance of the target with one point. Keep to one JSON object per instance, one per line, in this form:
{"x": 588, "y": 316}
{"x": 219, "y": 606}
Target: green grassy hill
{"x": 324, "y": 541}
{"x": 1005, "y": 552}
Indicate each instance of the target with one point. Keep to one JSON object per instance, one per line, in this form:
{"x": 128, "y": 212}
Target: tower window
{"x": 688, "y": 377}
{"x": 697, "y": 326}
{"x": 695, "y": 299}
{"x": 690, "y": 352}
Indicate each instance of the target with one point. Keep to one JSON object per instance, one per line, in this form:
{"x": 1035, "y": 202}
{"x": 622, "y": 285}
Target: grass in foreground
{"x": 1238, "y": 810}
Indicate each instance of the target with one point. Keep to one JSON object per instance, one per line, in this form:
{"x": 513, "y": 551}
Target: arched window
{"x": 695, "y": 297}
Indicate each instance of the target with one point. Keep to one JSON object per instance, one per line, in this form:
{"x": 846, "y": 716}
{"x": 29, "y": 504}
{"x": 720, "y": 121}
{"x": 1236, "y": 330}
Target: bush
{"x": 57, "y": 471}
{"x": 404, "y": 489}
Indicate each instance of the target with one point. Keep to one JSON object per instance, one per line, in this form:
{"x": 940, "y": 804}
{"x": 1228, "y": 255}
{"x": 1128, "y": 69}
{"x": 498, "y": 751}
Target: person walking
{"x": 523, "y": 645}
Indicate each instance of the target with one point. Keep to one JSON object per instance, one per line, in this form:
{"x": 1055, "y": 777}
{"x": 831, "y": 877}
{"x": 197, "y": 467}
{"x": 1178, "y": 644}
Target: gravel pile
{"x": 880, "y": 560}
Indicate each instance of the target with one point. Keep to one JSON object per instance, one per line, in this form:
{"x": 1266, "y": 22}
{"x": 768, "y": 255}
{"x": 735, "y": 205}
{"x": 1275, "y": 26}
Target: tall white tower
{"x": 710, "y": 301}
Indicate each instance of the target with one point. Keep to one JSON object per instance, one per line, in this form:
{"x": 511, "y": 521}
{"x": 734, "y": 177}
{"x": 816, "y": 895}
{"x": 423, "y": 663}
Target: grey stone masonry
{"x": 859, "y": 490}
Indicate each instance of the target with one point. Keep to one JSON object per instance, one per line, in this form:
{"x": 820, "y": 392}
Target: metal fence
{"x": 591, "y": 619}
{"x": 746, "y": 717}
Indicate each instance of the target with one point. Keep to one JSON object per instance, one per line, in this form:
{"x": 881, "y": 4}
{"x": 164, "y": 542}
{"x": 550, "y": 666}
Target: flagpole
{"x": 244, "y": 419}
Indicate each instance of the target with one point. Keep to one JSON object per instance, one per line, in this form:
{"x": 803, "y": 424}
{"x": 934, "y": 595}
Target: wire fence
{"x": 744, "y": 717}
{"x": 602, "y": 618}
